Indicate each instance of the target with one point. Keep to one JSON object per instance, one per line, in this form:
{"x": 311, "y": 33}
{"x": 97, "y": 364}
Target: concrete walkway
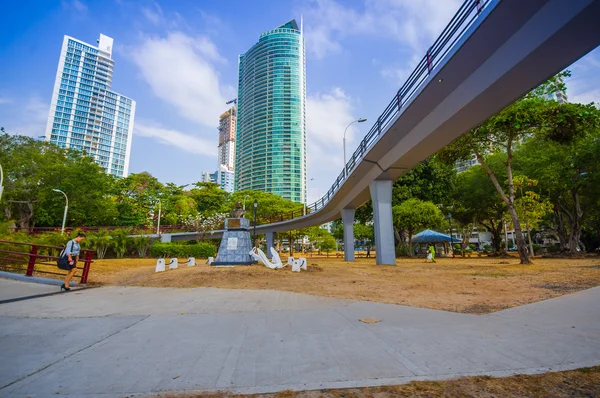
{"x": 115, "y": 341}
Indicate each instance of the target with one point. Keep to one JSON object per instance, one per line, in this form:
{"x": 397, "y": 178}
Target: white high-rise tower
{"x": 84, "y": 113}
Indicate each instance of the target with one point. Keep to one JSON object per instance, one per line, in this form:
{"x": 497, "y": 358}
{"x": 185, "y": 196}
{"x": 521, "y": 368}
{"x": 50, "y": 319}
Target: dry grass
{"x": 469, "y": 285}
{"x": 576, "y": 383}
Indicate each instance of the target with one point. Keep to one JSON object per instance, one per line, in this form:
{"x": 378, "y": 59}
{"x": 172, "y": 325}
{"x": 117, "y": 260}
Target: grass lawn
{"x": 576, "y": 383}
{"x": 475, "y": 285}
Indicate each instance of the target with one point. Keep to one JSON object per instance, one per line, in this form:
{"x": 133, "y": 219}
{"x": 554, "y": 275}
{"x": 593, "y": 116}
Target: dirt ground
{"x": 474, "y": 285}
{"x": 576, "y": 383}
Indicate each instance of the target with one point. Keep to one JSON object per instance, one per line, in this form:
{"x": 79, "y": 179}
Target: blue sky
{"x": 178, "y": 60}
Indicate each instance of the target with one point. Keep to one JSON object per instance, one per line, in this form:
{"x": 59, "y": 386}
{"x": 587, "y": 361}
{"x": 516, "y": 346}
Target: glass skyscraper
{"x": 271, "y": 126}
{"x": 84, "y": 113}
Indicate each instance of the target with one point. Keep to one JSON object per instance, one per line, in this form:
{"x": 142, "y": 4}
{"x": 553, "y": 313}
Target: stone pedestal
{"x": 236, "y": 244}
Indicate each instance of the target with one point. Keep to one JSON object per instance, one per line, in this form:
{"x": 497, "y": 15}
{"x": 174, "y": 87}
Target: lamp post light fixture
{"x": 356, "y": 121}
{"x": 244, "y": 206}
{"x": 305, "y": 198}
{"x": 255, "y": 206}
{"x": 66, "y": 208}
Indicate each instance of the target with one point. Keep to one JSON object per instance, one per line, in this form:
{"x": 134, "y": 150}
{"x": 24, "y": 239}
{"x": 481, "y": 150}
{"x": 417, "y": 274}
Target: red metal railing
{"x": 163, "y": 228}
{"x": 26, "y": 260}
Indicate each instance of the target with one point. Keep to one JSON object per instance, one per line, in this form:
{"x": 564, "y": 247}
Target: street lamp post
{"x": 356, "y": 121}
{"x": 255, "y": 206}
{"x": 66, "y": 208}
{"x": 244, "y": 206}
{"x": 158, "y": 225}
{"x": 305, "y": 198}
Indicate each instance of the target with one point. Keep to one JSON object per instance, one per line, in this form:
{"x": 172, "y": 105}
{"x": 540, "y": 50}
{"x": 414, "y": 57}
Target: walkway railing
{"x": 29, "y": 258}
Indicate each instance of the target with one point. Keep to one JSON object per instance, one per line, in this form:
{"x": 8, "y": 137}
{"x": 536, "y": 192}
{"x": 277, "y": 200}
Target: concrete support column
{"x": 270, "y": 238}
{"x": 381, "y": 195}
{"x": 348, "y": 220}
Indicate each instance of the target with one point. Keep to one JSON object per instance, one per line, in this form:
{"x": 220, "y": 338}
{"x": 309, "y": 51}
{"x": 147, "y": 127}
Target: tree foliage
{"x": 414, "y": 215}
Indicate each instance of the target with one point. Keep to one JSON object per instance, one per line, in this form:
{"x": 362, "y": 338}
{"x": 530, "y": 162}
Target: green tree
{"x": 209, "y": 198}
{"x": 529, "y": 116}
{"x": 414, "y": 215}
{"x": 430, "y": 181}
{"x": 476, "y": 200}
{"x": 270, "y": 206}
{"x": 530, "y": 206}
{"x": 33, "y": 168}
{"x": 327, "y": 243}
{"x": 569, "y": 175}
{"x": 137, "y": 196}
{"x": 363, "y": 232}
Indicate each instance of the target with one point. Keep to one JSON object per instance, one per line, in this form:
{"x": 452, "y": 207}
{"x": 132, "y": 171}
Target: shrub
{"x": 553, "y": 249}
{"x": 172, "y": 249}
{"x": 201, "y": 250}
{"x": 401, "y": 250}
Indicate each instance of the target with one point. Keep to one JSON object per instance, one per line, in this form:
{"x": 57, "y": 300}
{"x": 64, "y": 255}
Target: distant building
{"x": 84, "y": 113}
{"x": 559, "y": 95}
{"x": 227, "y": 126}
{"x": 208, "y": 177}
{"x": 271, "y": 126}
{"x": 467, "y": 164}
{"x": 225, "y": 178}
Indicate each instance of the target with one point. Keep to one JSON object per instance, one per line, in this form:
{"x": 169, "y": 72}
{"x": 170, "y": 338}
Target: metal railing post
{"x": 87, "y": 263}
{"x": 32, "y": 260}
{"x": 429, "y": 60}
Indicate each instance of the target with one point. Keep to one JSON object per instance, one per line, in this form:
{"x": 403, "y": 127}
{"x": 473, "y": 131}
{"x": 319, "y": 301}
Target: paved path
{"x": 125, "y": 341}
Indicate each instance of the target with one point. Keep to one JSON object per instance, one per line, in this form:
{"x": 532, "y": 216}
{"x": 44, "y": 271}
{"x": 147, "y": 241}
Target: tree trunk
{"x": 397, "y": 235}
{"x": 561, "y": 231}
{"x": 575, "y": 224}
{"x": 509, "y": 200}
{"x": 496, "y": 230}
{"x": 521, "y": 245}
{"x": 291, "y": 245}
{"x": 529, "y": 238}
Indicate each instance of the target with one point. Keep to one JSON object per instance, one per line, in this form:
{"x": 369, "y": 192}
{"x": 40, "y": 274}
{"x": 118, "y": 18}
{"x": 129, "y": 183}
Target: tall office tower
{"x": 271, "y": 126}
{"x": 84, "y": 113}
{"x": 559, "y": 96}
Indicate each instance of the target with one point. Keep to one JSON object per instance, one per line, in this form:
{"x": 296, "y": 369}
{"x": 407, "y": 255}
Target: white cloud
{"x": 327, "y": 116}
{"x": 410, "y": 22}
{"x": 27, "y": 116}
{"x": 180, "y": 70}
{"x": 5, "y": 100}
{"x": 183, "y": 141}
{"x": 79, "y": 6}
{"x": 583, "y": 87}
{"x": 75, "y": 5}
{"x": 153, "y": 14}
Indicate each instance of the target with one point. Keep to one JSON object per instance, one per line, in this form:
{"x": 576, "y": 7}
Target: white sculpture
{"x": 260, "y": 256}
{"x": 210, "y": 260}
{"x": 299, "y": 264}
{"x": 191, "y": 261}
{"x": 290, "y": 261}
{"x": 160, "y": 265}
{"x": 275, "y": 256}
{"x": 173, "y": 264}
